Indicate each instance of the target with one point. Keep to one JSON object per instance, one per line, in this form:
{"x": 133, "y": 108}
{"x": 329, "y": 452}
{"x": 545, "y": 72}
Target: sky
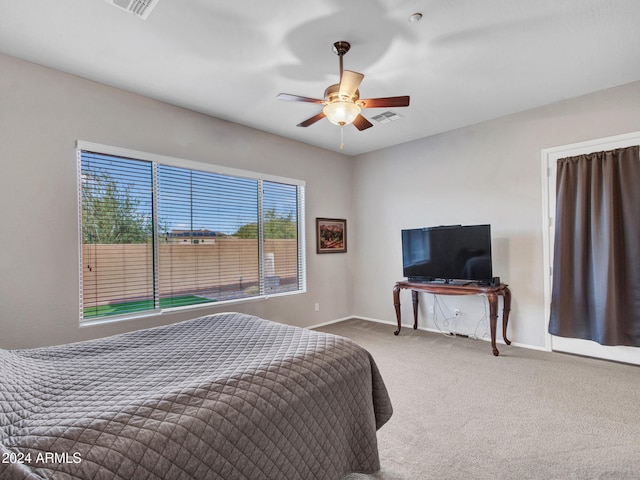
{"x": 191, "y": 199}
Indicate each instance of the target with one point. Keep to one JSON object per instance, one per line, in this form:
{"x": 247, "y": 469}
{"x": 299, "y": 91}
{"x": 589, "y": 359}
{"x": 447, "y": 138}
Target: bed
{"x": 226, "y": 396}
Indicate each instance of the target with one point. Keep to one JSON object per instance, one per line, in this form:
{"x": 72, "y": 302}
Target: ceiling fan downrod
{"x": 341, "y": 48}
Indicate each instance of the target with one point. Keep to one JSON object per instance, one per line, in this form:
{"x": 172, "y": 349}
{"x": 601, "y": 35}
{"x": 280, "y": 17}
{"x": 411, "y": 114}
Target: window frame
{"x": 156, "y": 160}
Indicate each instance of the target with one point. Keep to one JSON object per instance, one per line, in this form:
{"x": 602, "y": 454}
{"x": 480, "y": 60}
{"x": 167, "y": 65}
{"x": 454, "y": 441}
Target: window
{"x": 160, "y": 233}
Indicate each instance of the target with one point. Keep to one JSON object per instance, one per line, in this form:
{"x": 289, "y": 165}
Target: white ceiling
{"x": 466, "y": 61}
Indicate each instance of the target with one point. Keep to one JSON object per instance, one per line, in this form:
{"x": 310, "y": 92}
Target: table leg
{"x": 506, "y": 308}
{"x": 414, "y": 300}
{"x": 493, "y": 317}
{"x": 396, "y": 304}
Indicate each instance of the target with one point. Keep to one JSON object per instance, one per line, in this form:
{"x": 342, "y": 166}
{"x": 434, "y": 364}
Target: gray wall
{"x": 485, "y": 173}
{"x": 43, "y": 112}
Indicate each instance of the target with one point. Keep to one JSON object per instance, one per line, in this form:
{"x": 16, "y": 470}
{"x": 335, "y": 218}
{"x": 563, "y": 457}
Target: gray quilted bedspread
{"x": 226, "y": 396}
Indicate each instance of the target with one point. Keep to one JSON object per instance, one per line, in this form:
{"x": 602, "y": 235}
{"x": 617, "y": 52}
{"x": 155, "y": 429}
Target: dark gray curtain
{"x": 596, "y": 260}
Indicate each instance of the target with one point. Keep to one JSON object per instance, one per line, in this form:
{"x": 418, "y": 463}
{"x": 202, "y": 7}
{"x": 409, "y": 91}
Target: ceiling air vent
{"x": 140, "y": 8}
{"x": 386, "y": 117}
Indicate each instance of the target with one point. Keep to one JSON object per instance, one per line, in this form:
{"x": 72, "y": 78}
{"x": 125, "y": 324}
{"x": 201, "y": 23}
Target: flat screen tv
{"x": 448, "y": 253}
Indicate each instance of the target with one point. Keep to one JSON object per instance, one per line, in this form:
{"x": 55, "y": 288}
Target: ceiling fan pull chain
{"x": 341, "y": 137}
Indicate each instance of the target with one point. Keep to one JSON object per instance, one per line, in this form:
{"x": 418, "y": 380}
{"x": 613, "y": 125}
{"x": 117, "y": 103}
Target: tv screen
{"x": 448, "y": 253}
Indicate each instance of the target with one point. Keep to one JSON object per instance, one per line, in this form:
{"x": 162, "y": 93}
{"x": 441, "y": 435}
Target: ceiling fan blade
{"x": 297, "y": 98}
{"x": 350, "y": 82}
{"x": 385, "y": 102}
{"x": 362, "y": 123}
{"x": 312, "y": 120}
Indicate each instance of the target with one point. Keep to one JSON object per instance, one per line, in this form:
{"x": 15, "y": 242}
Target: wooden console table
{"x": 492, "y": 294}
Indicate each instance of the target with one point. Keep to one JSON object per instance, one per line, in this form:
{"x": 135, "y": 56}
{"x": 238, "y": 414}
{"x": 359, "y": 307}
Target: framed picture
{"x": 331, "y": 235}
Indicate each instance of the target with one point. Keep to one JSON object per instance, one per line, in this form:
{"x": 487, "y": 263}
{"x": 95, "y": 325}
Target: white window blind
{"x": 157, "y": 236}
{"x": 281, "y": 244}
{"x": 201, "y": 216}
{"x": 117, "y": 235}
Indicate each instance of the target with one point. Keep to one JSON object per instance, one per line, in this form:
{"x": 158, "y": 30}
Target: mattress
{"x": 226, "y": 396}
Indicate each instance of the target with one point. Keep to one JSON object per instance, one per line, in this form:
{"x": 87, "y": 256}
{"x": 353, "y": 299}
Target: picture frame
{"x": 331, "y": 235}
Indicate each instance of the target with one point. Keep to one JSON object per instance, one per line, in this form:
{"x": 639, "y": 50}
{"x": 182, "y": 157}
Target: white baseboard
{"x": 425, "y": 329}
{"x": 331, "y": 322}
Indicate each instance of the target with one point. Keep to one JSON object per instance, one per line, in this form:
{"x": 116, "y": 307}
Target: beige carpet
{"x": 461, "y": 413}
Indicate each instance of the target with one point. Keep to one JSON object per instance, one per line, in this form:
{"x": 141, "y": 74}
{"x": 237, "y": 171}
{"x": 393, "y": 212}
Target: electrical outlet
{"x": 317, "y": 307}
{"x": 456, "y": 312}
{"x": 431, "y": 309}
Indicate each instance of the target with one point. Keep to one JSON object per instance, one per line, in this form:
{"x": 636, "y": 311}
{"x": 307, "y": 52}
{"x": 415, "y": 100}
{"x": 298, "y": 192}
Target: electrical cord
{"x": 482, "y": 320}
{"x": 436, "y": 307}
{"x": 448, "y": 323}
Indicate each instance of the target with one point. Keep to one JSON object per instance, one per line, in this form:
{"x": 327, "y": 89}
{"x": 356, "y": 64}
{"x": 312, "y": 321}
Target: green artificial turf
{"x": 142, "y": 305}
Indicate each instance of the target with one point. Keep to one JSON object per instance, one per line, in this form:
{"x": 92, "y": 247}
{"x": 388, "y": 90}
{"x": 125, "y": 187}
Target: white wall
{"x": 485, "y": 173}
{"x": 43, "y": 112}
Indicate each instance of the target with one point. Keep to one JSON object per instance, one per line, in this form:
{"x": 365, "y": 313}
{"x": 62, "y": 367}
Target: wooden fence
{"x": 123, "y": 272}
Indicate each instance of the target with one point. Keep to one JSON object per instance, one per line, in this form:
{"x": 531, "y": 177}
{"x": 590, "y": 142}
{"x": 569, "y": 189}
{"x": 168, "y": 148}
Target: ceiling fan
{"x": 342, "y": 103}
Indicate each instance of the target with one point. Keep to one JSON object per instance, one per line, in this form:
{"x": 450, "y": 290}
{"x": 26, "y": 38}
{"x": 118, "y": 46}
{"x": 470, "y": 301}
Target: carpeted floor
{"x": 461, "y": 413}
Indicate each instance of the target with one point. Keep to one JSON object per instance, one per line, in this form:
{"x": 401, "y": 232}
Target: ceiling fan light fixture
{"x": 341, "y": 113}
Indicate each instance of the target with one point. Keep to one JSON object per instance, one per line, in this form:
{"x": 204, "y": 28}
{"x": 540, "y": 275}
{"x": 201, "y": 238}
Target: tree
{"x": 110, "y": 213}
{"x": 274, "y": 227}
